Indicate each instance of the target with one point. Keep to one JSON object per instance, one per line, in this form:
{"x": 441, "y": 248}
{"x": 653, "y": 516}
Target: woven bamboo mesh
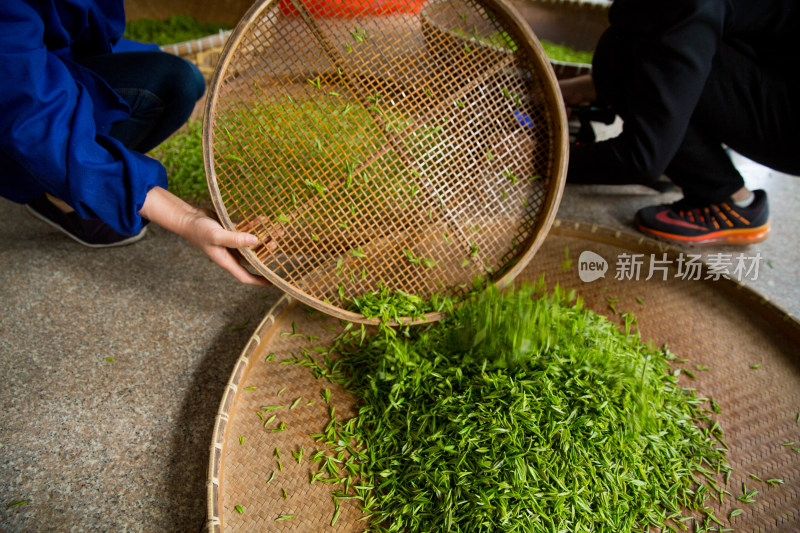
{"x": 719, "y": 324}
{"x": 405, "y": 145}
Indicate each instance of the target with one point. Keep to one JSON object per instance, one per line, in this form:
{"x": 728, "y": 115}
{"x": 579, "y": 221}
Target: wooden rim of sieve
{"x": 237, "y": 179}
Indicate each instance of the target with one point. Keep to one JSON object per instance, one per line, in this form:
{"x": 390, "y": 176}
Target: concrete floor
{"x": 102, "y": 445}
{"x": 114, "y": 361}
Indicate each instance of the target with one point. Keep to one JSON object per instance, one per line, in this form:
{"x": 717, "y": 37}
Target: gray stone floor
{"x": 121, "y": 445}
{"x": 114, "y": 361}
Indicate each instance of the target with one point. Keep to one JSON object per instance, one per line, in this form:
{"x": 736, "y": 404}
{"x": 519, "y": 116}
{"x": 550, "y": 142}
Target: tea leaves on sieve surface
{"x": 358, "y": 34}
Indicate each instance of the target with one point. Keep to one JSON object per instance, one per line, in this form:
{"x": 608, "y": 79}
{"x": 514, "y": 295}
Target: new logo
{"x": 591, "y": 266}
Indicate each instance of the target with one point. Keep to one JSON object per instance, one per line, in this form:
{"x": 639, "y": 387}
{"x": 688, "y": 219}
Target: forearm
{"x": 579, "y": 90}
{"x": 168, "y": 211}
{"x": 171, "y": 213}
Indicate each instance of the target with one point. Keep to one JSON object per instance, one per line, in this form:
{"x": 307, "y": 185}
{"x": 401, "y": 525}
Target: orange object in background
{"x": 353, "y": 8}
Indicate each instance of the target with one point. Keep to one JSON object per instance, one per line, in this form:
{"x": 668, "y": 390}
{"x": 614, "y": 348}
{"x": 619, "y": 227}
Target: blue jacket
{"x": 55, "y": 115}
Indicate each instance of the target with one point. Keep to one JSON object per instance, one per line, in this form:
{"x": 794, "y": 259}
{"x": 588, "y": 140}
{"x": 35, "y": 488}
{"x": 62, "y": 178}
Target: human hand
{"x": 579, "y": 90}
{"x": 215, "y": 241}
{"x": 175, "y": 215}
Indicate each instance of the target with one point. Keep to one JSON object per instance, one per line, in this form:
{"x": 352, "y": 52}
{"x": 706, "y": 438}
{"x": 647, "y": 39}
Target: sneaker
{"x": 89, "y": 232}
{"x": 722, "y": 223}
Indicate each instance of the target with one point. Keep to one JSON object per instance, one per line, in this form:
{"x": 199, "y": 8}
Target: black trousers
{"x": 748, "y": 104}
{"x": 161, "y": 89}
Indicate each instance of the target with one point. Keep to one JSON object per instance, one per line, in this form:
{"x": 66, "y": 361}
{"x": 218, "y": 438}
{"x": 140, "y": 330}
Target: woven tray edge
{"x": 213, "y": 521}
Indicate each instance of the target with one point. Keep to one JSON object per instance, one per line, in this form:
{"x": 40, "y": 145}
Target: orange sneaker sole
{"x": 731, "y": 236}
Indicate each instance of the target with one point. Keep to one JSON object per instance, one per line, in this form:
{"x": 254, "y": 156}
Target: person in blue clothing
{"x": 79, "y": 108}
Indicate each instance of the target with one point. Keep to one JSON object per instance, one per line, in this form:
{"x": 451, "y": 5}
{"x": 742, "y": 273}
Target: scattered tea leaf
{"x": 17, "y": 503}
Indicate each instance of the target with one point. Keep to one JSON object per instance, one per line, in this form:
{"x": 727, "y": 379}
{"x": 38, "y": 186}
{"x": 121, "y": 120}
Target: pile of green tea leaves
{"x": 174, "y": 29}
{"x": 313, "y": 150}
{"x": 291, "y": 125}
{"x": 396, "y": 306}
{"x": 519, "y": 412}
{"x": 554, "y": 51}
{"x": 182, "y": 156}
{"x": 562, "y": 52}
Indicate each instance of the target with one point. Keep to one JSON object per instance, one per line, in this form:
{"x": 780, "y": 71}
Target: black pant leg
{"x": 750, "y": 106}
{"x": 702, "y": 167}
{"x": 161, "y": 89}
{"x": 747, "y": 104}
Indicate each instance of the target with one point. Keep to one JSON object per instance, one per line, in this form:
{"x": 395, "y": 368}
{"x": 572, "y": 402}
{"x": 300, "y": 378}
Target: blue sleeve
{"x": 47, "y": 127}
{"x": 127, "y": 45}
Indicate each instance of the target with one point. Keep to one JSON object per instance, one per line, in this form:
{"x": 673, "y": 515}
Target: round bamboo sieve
{"x": 405, "y": 145}
{"x": 720, "y": 324}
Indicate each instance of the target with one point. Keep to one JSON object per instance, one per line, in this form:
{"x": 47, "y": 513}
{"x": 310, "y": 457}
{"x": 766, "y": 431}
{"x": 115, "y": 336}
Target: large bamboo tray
{"x": 721, "y": 324}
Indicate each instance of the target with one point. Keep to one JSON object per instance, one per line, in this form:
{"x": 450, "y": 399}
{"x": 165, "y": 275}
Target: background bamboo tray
{"x": 721, "y": 324}
{"x": 577, "y": 24}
